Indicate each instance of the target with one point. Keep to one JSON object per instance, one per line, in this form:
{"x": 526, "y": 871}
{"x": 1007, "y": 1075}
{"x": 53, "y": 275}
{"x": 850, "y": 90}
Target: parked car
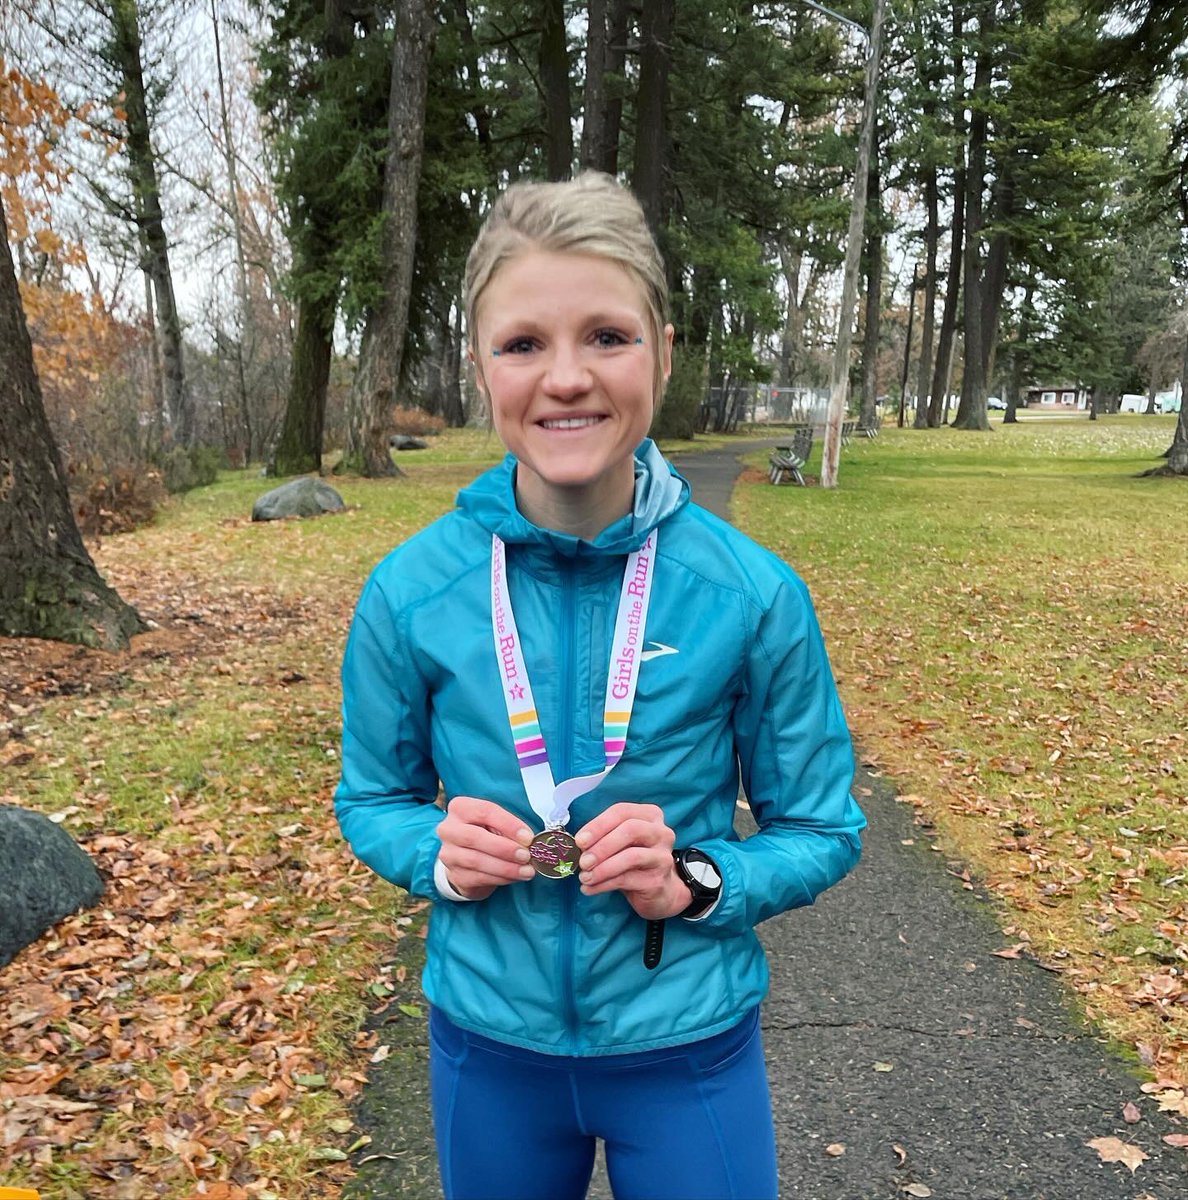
{"x": 996, "y": 402}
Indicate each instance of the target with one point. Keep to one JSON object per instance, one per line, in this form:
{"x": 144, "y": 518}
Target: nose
{"x": 567, "y": 376}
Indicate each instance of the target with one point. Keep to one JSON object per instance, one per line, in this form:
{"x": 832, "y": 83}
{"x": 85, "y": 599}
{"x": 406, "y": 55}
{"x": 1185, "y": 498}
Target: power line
{"x": 837, "y": 17}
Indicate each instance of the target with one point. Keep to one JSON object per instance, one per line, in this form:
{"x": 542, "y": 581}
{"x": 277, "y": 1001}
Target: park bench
{"x": 787, "y": 460}
{"x": 869, "y": 431}
{"x": 847, "y": 431}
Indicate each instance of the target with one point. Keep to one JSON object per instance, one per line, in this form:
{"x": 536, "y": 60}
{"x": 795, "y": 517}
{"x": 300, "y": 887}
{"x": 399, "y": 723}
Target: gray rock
{"x": 402, "y": 441}
{"x": 304, "y": 497}
{"x": 44, "y": 876}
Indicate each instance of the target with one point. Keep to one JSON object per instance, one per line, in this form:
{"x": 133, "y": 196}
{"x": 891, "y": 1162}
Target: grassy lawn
{"x": 1007, "y": 614}
{"x": 1008, "y": 617}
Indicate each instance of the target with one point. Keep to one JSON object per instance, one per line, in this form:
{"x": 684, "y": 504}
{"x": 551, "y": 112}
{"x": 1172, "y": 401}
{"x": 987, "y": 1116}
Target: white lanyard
{"x": 551, "y": 802}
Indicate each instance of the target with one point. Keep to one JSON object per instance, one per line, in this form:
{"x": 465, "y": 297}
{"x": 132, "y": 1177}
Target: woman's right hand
{"x": 483, "y": 847}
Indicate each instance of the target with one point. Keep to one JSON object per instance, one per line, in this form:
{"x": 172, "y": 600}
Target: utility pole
{"x": 840, "y": 381}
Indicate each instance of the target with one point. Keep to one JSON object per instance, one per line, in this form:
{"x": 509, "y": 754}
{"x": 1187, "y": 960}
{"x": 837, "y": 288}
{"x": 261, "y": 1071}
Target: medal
{"x": 554, "y": 854}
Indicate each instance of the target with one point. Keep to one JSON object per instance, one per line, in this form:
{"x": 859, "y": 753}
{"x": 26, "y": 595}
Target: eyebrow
{"x": 515, "y": 328}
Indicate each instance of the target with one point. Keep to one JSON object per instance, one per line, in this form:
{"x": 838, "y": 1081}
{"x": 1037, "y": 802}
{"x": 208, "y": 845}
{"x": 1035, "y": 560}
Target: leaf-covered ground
{"x": 1007, "y": 615}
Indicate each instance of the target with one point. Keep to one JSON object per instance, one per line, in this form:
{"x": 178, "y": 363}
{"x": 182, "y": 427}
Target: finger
{"x": 612, "y": 818}
{"x": 638, "y": 882}
{"x": 633, "y": 861}
{"x": 472, "y": 869}
{"x": 457, "y": 833}
{"x": 655, "y": 836}
{"x": 474, "y": 811}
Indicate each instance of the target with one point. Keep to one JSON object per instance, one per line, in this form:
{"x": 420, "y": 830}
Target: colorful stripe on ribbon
{"x": 614, "y": 735}
{"x": 530, "y": 746}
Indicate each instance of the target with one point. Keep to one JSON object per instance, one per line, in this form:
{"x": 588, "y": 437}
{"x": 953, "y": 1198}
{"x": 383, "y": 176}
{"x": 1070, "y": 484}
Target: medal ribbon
{"x": 550, "y": 801}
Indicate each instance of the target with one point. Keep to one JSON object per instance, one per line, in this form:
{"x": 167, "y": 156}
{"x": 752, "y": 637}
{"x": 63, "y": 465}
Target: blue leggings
{"x": 689, "y": 1123}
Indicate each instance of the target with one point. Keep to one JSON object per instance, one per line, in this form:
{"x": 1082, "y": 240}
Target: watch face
{"x": 702, "y": 868}
{"x": 704, "y": 872}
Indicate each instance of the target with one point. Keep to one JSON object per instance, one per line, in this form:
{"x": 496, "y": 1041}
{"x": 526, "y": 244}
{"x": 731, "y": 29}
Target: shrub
{"x": 117, "y": 501}
{"x": 415, "y": 422}
{"x": 183, "y": 469}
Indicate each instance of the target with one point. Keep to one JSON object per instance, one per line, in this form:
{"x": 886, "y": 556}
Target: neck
{"x": 581, "y": 512}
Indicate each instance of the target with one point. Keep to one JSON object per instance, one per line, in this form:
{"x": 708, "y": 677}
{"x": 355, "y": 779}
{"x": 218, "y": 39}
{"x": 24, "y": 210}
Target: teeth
{"x": 571, "y": 423}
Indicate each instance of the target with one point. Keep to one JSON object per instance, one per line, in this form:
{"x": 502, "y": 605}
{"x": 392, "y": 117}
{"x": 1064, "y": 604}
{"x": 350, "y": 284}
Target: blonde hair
{"x": 592, "y": 214}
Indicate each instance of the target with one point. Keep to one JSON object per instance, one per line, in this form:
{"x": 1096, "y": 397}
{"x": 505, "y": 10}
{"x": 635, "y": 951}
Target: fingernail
{"x": 586, "y": 860}
{"x": 582, "y": 839}
{"x": 524, "y": 836}
{"x": 526, "y": 872}
{"x": 523, "y": 856}
{"x": 583, "y": 878}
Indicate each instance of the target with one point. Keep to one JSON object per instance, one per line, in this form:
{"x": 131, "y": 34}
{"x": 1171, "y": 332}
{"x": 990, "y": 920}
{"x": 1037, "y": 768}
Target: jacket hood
{"x": 659, "y": 492}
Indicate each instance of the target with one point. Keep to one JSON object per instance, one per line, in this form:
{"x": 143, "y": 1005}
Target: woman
{"x": 589, "y": 663}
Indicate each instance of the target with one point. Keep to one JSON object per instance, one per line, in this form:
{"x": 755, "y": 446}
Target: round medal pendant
{"x": 554, "y": 854}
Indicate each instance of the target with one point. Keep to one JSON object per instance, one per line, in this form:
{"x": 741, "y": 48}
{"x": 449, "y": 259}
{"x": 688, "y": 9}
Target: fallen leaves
{"x": 1112, "y": 1149}
{"x": 185, "y": 1037}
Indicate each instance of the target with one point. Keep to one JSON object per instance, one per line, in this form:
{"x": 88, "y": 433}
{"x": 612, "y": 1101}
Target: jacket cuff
{"x": 441, "y": 881}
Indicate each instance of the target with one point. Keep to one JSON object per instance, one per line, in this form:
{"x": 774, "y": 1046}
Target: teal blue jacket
{"x": 742, "y": 690}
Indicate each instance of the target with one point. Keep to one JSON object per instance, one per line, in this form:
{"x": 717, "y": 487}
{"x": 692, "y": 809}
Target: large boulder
{"x": 304, "y": 497}
{"x": 44, "y": 876}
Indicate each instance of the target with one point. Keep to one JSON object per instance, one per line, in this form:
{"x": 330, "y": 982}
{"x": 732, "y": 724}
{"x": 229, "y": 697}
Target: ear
{"x": 666, "y": 351}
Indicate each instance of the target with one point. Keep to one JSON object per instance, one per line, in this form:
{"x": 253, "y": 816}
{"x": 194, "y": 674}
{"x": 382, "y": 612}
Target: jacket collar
{"x": 659, "y": 492}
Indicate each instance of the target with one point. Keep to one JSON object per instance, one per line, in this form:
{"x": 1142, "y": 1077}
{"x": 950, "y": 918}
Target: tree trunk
{"x": 593, "y": 152}
{"x": 874, "y": 300}
{"x": 373, "y": 390}
{"x": 1021, "y": 341}
{"x": 49, "y": 587}
{"x": 971, "y": 411}
{"x": 996, "y": 271}
{"x": 474, "y": 81}
{"x": 554, "y": 80}
{"x": 452, "y": 408}
{"x": 618, "y": 24}
{"x": 241, "y": 275}
{"x": 939, "y": 407}
{"x": 650, "y": 169}
{"x": 299, "y": 447}
{"x": 928, "y": 323}
{"x": 142, "y": 168}
{"x": 1177, "y": 456}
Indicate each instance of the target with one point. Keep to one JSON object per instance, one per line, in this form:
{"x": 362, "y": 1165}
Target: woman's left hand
{"x": 628, "y": 848}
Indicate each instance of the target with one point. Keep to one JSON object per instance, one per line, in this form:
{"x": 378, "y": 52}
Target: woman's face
{"x": 564, "y": 361}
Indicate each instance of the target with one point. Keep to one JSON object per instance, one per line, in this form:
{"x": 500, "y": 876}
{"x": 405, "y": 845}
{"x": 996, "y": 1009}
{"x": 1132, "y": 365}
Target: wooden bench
{"x": 868, "y": 431}
{"x": 787, "y": 460}
{"x": 847, "y": 431}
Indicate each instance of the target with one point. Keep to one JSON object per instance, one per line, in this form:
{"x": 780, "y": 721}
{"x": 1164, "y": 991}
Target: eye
{"x": 518, "y": 345}
{"x": 610, "y": 337}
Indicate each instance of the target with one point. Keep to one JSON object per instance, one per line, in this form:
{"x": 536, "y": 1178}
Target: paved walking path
{"x": 892, "y": 1030}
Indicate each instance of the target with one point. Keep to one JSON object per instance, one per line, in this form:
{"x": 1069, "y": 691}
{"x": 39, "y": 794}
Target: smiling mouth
{"x": 572, "y": 423}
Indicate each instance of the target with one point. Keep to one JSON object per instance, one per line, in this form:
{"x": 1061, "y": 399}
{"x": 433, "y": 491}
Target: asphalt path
{"x": 905, "y": 1057}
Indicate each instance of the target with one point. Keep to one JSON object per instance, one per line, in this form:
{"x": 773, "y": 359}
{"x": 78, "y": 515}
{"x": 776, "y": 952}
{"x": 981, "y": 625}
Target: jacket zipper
{"x": 569, "y": 896}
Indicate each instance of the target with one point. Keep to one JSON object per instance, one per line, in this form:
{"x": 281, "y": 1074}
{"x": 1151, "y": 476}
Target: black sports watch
{"x": 700, "y": 874}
